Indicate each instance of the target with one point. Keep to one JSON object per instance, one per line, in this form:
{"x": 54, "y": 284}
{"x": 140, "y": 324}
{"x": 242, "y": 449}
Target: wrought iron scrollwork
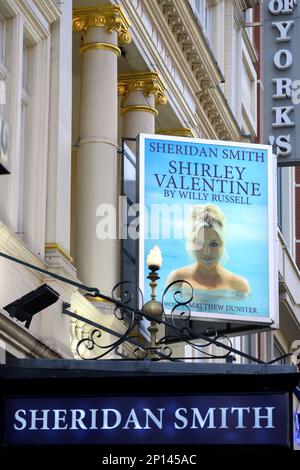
{"x": 126, "y": 295}
{"x": 182, "y": 298}
{"x": 129, "y": 308}
{"x": 128, "y": 299}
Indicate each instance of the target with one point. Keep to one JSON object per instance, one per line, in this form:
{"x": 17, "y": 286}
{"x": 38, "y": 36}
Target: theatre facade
{"x": 80, "y": 81}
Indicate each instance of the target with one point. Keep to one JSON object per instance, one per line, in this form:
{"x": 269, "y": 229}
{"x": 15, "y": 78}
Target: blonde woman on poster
{"x": 206, "y": 242}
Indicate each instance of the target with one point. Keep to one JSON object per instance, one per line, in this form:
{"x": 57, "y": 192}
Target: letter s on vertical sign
{"x": 284, "y": 146}
{"x": 20, "y": 419}
{"x": 282, "y": 143}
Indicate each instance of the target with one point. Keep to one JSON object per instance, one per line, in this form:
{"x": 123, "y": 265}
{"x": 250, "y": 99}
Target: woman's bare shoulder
{"x": 239, "y": 283}
{"x": 180, "y": 274}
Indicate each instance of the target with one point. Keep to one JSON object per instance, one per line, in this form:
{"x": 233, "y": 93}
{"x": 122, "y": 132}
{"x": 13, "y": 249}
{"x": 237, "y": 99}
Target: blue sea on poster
{"x": 247, "y": 218}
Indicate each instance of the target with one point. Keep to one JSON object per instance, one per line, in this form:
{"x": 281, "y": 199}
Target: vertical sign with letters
{"x": 282, "y": 79}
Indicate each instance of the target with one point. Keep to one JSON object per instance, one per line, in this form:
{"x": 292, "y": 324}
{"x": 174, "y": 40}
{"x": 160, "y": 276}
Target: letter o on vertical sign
{"x": 283, "y": 59}
{"x": 275, "y": 6}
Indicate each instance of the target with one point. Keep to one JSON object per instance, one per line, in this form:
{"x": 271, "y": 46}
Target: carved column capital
{"x": 110, "y": 17}
{"x": 147, "y": 82}
{"x": 179, "y": 132}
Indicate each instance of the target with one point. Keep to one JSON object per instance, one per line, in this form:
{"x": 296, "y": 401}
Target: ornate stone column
{"x": 97, "y": 258}
{"x": 141, "y": 93}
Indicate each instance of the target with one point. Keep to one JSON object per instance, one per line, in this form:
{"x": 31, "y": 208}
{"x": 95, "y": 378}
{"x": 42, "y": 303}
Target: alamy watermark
{"x": 160, "y": 221}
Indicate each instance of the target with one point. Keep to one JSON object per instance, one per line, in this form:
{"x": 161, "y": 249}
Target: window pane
{"x": 278, "y": 352}
{"x": 129, "y": 245}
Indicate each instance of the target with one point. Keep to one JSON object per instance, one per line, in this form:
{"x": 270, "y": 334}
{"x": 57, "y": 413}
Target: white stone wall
{"x": 60, "y": 122}
{"x": 35, "y": 198}
{"x": 50, "y": 325}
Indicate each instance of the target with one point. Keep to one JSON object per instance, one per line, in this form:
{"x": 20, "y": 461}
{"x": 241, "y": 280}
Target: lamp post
{"x": 153, "y": 307}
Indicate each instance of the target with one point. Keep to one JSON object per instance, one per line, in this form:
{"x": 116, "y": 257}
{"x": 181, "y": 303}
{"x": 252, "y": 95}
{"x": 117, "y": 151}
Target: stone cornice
{"x": 9, "y": 8}
{"x": 147, "y": 82}
{"x": 203, "y": 68}
{"x": 240, "y": 6}
{"x": 50, "y": 9}
{"x": 250, "y": 47}
{"x": 245, "y": 4}
{"x": 186, "y": 79}
{"x": 191, "y": 40}
{"x": 14, "y": 247}
{"x": 38, "y": 15}
{"x": 24, "y": 341}
{"x": 226, "y": 125}
{"x": 50, "y": 247}
{"x": 238, "y": 14}
{"x": 110, "y": 17}
{"x": 159, "y": 47}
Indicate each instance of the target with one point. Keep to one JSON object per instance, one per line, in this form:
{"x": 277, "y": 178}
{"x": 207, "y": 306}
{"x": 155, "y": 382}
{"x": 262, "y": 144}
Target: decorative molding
{"x": 100, "y": 46}
{"x": 184, "y": 132}
{"x": 147, "y": 82}
{"x": 245, "y": 4}
{"x": 139, "y": 107}
{"x": 110, "y": 17}
{"x": 159, "y": 51}
{"x": 238, "y": 16}
{"x": 37, "y": 21}
{"x": 51, "y": 9}
{"x": 250, "y": 47}
{"x": 9, "y": 8}
{"x": 201, "y": 62}
{"x": 11, "y": 245}
{"x": 24, "y": 341}
{"x": 191, "y": 40}
{"x": 60, "y": 249}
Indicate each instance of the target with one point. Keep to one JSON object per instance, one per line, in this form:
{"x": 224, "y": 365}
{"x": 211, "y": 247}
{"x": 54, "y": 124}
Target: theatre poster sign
{"x": 210, "y": 206}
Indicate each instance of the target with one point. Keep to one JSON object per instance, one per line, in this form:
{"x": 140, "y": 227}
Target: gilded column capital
{"x": 147, "y": 82}
{"x": 180, "y": 132}
{"x": 110, "y": 17}
{"x": 51, "y": 247}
